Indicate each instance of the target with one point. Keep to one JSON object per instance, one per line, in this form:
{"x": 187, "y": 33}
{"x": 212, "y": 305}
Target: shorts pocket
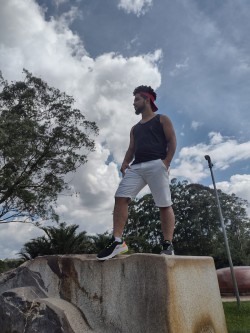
{"x": 164, "y": 165}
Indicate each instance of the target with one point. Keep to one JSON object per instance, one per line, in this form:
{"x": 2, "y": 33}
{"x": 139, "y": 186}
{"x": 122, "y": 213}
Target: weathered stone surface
{"x": 19, "y": 314}
{"x": 242, "y": 275}
{"x": 140, "y": 293}
{"x": 29, "y": 309}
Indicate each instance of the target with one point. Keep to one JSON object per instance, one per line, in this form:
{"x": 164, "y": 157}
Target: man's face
{"x": 139, "y": 104}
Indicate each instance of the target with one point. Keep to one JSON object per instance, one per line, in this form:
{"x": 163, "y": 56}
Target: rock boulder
{"x": 140, "y": 293}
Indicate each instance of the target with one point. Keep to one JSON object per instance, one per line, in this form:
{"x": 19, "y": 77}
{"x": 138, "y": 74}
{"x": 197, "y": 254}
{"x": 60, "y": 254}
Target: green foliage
{"x": 8, "y": 264}
{"x": 61, "y": 239}
{"x": 237, "y": 319}
{"x": 98, "y": 242}
{"x": 198, "y": 229}
{"x": 142, "y": 231}
{"x": 194, "y": 210}
{"x": 42, "y": 138}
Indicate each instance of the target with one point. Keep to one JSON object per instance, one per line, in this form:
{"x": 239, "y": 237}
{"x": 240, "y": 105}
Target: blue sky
{"x": 195, "y": 53}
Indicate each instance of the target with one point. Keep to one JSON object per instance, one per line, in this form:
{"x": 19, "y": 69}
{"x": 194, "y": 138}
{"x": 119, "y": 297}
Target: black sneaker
{"x": 112, "y": 249}
{"x": 167, "y": 248}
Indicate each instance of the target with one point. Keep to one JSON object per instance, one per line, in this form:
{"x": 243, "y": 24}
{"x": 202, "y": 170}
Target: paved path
{"x": 234, "y": 299}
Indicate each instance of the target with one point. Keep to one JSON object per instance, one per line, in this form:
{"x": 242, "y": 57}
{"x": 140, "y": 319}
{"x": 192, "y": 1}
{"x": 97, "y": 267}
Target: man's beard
{"x": 140, "y": 109}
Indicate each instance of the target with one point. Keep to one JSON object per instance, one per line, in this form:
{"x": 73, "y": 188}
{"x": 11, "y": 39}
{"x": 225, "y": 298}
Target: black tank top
{"x": 150, "y": 141}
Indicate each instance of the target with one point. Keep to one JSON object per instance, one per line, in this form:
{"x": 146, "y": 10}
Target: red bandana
{"x": 152, "y": 99}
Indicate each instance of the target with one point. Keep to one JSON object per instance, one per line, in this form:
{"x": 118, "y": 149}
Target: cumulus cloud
{"x": 222, "y": 150}
{"x": 137, "y": 7}
{"x": 239, "y": 185}
{"x": 27, "y": 40}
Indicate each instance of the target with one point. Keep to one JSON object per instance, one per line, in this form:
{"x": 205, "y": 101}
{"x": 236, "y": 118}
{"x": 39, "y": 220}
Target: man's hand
{"x": 167, "y": 164}
{"x": 128, "y": 158}
{"x": 124, "y": 167}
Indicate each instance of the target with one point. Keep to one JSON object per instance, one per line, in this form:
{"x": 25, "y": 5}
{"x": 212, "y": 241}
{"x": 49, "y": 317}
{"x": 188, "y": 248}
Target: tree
{"x": 42, "y": 138}
{"x": 142, "y": 231}
{"x": 61, "y": 239}
{"x": 197, "y": 222}
{"x": 198, "y": 229}
{"x": 9, "y": 264}
{"x": 98, "y": 242}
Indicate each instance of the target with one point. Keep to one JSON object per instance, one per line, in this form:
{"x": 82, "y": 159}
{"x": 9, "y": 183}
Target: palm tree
{"x": 99, "y": 241}
{"x": 36, "y": 247}
{"x": 62, "y": 239}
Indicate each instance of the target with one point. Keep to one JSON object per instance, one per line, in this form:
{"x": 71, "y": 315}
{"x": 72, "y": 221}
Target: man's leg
{"x": 157, "y": 177}
{"x": 129, "y": 187}
{"x": 167, "y": 226}
{"x": 167, "y": 222}
{"x": 120, "y": 215}
{"x": 117, "y": 246}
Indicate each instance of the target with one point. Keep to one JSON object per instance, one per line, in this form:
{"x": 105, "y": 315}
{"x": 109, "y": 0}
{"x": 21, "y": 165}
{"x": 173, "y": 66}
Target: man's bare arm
{"x": 170, "y": 137}
{"x": 129, "y": 154}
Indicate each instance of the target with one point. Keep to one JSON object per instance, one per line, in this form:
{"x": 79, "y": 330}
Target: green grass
{"x": 238, "y": 319}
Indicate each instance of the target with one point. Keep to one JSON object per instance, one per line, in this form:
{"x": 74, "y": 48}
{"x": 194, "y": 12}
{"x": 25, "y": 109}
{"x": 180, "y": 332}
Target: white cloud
{"x": 179, "y": 68}
{"x": 95, "y": 184}
{"x": 138, "y": 7}
{"x": 222, "y": 150}
{"x": 13, "y": 236}
{"x": 43, "y": 47}
{"x": 68, "y": 17}
{"x": 59, "y": 2}
{"x": 196, "y": 124}
{"x": 215, "y": 138}
{"x": 239, "y": 185}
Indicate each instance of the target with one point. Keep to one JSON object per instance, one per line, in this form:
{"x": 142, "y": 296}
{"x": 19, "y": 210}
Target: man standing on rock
{"x": 151, "y": 148}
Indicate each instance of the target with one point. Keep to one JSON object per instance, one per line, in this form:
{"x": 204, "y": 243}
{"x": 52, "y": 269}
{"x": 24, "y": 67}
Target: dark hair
{"x": 146, "y": 89}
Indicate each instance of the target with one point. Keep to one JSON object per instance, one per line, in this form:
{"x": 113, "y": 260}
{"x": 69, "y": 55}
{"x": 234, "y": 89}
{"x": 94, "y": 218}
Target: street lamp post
{"x": 207, "y": 157}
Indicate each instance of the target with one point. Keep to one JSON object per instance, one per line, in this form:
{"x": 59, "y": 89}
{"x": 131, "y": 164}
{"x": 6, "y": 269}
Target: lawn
{"x": 238, "y": 319}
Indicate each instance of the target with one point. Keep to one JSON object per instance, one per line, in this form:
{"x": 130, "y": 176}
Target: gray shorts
{"x": 154, "y": 174}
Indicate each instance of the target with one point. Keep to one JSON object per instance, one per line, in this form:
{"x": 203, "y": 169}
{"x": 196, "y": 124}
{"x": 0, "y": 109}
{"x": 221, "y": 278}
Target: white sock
{"x": 118, "y": 239}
